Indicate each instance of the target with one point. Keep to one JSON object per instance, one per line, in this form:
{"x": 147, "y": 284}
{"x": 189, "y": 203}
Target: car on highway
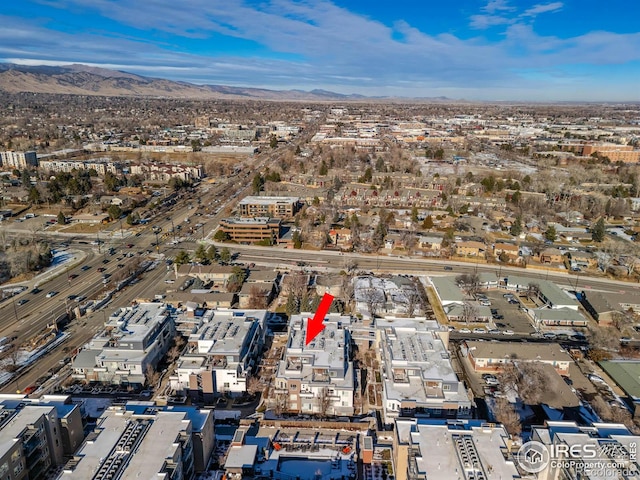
{"x": 80, "y": 298}
{"x": 71, "y": 297}
{"x": 448, "y": 267}
{"x": 85, "y": 268}
{"x": 101, "y": 269}
{"x": 35, "y": 290}
{"x": 52, "y": 293}
{"x": 22, "y": 301}
{"x": 105, "y": 261}
{"x": 72, "y": 276}
{"x": 129, "y": 245}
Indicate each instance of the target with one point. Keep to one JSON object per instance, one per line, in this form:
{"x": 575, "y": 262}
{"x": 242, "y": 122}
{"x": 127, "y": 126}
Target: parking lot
{"x": 514, "y": 318}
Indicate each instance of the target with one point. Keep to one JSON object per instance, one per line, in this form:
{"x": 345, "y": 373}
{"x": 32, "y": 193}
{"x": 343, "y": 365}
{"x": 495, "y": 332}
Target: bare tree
{"x": 531, "y": 379}
{"x": 469, "y": 312}
{"x": 281, "y": 403}
{"x": 414, "y": 302}
{"x": 470, "y": 283}
{"x": 257, "y": 297}
{"x": 152, "y": 376}
{"x": 533, "y": 291}
{"x": 324, "y": 401}
{"x": 347, "y": 289}
{"x": 506, "y": 414}
{"x": 372, "y": 298}
{"x": 254, "y": 385}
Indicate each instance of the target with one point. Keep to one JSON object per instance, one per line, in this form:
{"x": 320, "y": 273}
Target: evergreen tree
{"x": 598, "y": 231}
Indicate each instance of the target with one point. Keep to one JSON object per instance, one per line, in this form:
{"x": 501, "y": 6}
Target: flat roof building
{"x": 467, "y": 449}
{"x": 127, "y": 442}
{"x": 252, "y": 230}
{"x": 317, "y": 378}
{"x": 134, "y": 339}
{"x": 418, "y": 378}
{"x": 13, "y": 160}
{"x": 222, "y": 353}
{"x": 278, "y": 207}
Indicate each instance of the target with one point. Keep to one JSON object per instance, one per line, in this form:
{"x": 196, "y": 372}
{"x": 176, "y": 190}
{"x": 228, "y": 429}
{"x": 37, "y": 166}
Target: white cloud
{"x": 542, "y": 8}
{"x": 317, "y": 44}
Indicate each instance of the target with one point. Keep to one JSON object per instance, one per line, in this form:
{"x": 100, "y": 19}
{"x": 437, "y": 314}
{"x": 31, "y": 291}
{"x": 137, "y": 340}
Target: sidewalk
{"x": 72, "y": 258}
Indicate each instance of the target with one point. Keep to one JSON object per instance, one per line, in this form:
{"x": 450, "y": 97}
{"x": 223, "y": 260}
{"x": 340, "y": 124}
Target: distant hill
{"x": 80, "y": 79}
{"x": 85, "y": 80}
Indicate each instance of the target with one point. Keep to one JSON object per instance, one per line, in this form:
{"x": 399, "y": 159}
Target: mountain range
{"x": 78, "y": 79}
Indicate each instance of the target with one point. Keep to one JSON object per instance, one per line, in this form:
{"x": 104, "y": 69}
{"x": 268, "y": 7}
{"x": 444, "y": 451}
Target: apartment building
{"x": 101, "y": 166}
{"x": 614, "y": 447}
{"x": 278, "y": 207}
{"x": 417, "y": 376}
{"x": 20, "y": 160}
{"x": 223, "y": 353}
{"x": 128, "y": 441}
{"x": 165, "y": 172}
{"x": 133, "y": 341}
{"x": 68, "y": 420}
{"x": 317, "y": 378}
{"x": 436, "y": 449}
{"x": 470, "y": 249}
{"x": 31, "y": 441}
{"x": 251, "y": 230}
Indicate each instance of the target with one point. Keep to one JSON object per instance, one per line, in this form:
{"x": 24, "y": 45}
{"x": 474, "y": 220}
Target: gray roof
{"x": 447, "y": 289}
{"x": 241, "y": 456}
{"x": 517, "y": 350}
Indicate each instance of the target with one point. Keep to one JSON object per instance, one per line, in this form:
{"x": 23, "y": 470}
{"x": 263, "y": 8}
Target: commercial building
{"x": 133, "y": 342}
{"x": 10, "y": 160}
{"x": 417, "y": 376}
{"x": 223, "y": 353}
{"x": 491, "y": 356}
{"x": 160, "y": 443}
{"x": 317, "y": 378}
{"x": 278, "y": 207}
{"x": 251, "y": 230}
{"x": 468, "y": 449}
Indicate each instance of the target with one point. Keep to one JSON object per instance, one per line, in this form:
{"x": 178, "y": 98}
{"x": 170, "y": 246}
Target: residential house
{"x": 470, "y": 249}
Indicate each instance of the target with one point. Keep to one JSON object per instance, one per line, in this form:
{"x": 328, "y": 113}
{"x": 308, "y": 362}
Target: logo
{"x": 533, "y": 457}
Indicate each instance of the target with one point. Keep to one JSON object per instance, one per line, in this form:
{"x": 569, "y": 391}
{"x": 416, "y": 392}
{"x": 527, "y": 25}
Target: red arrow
{"x": 315, "y": 326}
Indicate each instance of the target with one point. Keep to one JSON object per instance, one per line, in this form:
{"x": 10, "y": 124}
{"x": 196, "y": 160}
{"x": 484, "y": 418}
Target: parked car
{"x": 465, "y": 330}
{"x": 479, "y": 330}
{"x": 549, "y": 336}
{"x": 508, "y": 332}
{"x": 448, "y": 267}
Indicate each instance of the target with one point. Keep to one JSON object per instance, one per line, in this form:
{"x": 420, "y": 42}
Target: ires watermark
{"x": 591, "y": 459}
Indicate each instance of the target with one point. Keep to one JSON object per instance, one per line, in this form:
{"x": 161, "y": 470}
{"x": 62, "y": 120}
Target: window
{"x": 293, "y": 387}
{"x": 226, "y": 385}
{"x": 446, "y": 387}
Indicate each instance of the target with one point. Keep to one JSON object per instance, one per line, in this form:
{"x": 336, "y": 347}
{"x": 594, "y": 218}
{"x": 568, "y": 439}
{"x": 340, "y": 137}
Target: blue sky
{"x": 574, "y": 50}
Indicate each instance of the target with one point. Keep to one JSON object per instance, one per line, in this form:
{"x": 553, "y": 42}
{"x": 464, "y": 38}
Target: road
{"x": 416, "y": 265}
{"x": 27, "y": 315}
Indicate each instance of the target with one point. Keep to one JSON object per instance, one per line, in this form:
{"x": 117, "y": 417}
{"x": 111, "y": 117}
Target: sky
{"x": 518, "y": 50}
